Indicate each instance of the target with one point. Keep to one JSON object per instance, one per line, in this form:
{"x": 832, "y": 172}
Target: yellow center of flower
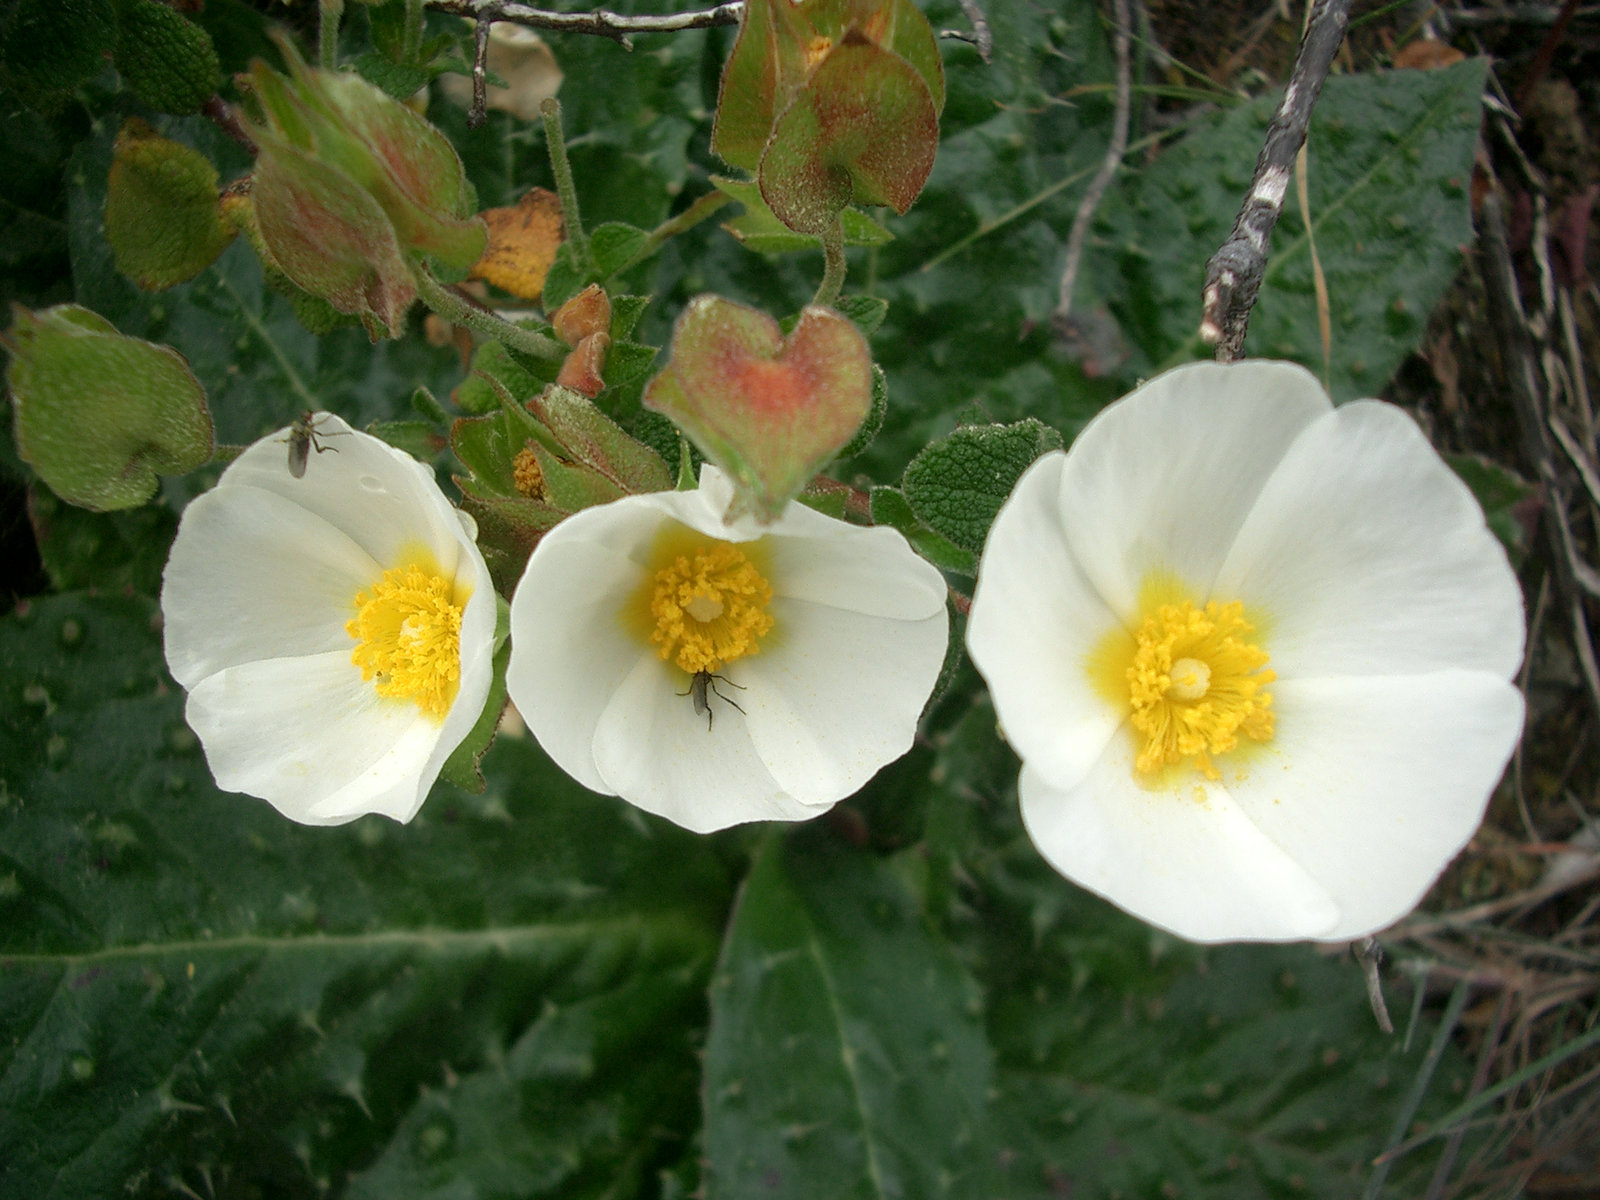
{"x": 408, "y": 630}
{"x": 708, "y": 605}
{"x": 1196, "y": 684}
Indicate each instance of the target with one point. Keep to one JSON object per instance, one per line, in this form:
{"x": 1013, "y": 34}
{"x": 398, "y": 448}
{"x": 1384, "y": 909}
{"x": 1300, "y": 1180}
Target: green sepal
{"x": 588, "y": 436}
{"x": 766, "y": 64}
{"x": 874, "y": 418}
{"x": 166, "y": 60}
{"x": 509, "y": 527}
{"x": 572, "y": 487}
{"x": 420, "y": 439}
{"x": 495, "y": 368}
{"x": 864, "y": 129}
{"x": 332, "y": 239}
{"x": 761, "y": 231}
{"x": 162, "y": 215}
{"x": 461, "y": 768}
{"x": 890, "y": 507}
{"x": 957, "y": 484}
{"x": 896, "y": 25}
{"x": 100, "y": 415}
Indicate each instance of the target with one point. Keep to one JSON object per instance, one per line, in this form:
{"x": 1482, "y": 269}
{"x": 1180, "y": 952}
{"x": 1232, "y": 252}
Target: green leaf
{"x": 568, "y": 275}
{"x": 957, "y": 485}
{"x": 167, "y": 61}
{"x": 1240, "y": 1072}
{"x": 110, "y": 552}
{"x": 259, "y": 365}
{"x": 889, "y": 507}
{"x": 100, "y": 415}
{"x": 399, "y": 80}
{"x": 867, "y": 312}
{"x": 501, "y": 998}
{"x": 613, "y": 245}
{"x": 1389, "y": 159}
{"x": 162, "y": 217}
{"x": 1504, "y": 496}
{"x": 50, "y": 47}
{"x": 845, "y": 1057}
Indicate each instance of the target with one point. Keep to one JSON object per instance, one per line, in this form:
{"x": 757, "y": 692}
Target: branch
{"x": 1528, "y": 403}
{"x": 601, "y": 23}
{"x": 980, "y": 38}
{"x": 1108, "y": 166}
{"x": 1234, "y": 274}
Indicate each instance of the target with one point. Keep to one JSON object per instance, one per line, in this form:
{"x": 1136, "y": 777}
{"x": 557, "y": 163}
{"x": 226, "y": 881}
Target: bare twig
{"x": 618, "y": 27}
{"x": 1370, "y": 955}
{"x": 980, "y": 37}
{"x": 480, "y": 72}
{"x": 1505, "y": 306}
{"x": 1234, "y": 274}
{"x": 1108, "y": 165}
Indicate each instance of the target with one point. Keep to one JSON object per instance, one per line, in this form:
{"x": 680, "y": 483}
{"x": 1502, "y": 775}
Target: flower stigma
{"x": 708, "y": 606}
{"x": 1196, "y": 683}
{"x": 408, "y": 630}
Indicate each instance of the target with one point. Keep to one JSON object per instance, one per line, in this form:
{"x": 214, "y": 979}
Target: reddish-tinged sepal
{"x": 832, "y": 102}
{"x": 768, "y": 410}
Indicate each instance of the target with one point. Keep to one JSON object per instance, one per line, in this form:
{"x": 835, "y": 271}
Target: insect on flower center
{"x": 1196, "y": 685}
{"x": 408, "y": 630}
{"x": 708, "y": 604}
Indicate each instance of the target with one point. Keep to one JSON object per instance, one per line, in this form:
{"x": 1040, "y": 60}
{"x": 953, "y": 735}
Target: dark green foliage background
{"x": 537, "y": 992}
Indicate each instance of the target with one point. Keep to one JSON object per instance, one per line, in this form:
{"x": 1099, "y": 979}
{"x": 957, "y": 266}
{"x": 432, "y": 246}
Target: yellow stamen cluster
{"x": 709, "y": 605}
{"x": 526, "y": 475}
{"x": 1196, "y": 684}
{"x": 409, "y": 634}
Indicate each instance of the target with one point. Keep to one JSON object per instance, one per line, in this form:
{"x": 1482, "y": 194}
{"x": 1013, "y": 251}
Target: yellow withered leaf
{"x": 523, "y": 241}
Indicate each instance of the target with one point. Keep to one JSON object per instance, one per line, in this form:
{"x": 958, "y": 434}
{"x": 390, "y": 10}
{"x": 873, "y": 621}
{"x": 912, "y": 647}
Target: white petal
{"x": 870, "y": 571}
{"x": 569, "y": 648}
{"x": 1183, "y": 858}
{"x": 382, "y": 498}
{"x": 254, "y": 576}
{"x": 836, "y": 695}
{"x": 653, "y": 750}
{"x": 313, "y": 739}
{"x": 477, "y": 659}
{"x": 1371, "y": 557}
{"x": 1163, "y": 478}
{"x": 1373, "y": 784}
{"x": 1034, "y": 620}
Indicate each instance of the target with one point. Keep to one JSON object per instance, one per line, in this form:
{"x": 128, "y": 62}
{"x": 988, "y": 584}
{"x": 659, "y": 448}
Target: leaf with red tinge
{"x": 768, "y": 410}
{"x": 864, "y": 128}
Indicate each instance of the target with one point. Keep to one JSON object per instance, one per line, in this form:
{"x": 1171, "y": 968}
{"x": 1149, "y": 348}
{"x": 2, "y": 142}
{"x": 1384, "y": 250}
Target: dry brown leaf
{"x": 587, "y": 312}
{"x": 522, "y": 244}
{"x": 1425, "y": 55}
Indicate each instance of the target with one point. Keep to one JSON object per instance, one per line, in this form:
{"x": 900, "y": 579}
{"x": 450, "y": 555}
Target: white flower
{"x": 1253, "y": 652}
{"x": 715, "y": 674}
{"x": 334, "y": 631}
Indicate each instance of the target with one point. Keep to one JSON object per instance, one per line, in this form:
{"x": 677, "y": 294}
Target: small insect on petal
{"x": 702, "y": 686}
{"x": 303, "y": 438}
